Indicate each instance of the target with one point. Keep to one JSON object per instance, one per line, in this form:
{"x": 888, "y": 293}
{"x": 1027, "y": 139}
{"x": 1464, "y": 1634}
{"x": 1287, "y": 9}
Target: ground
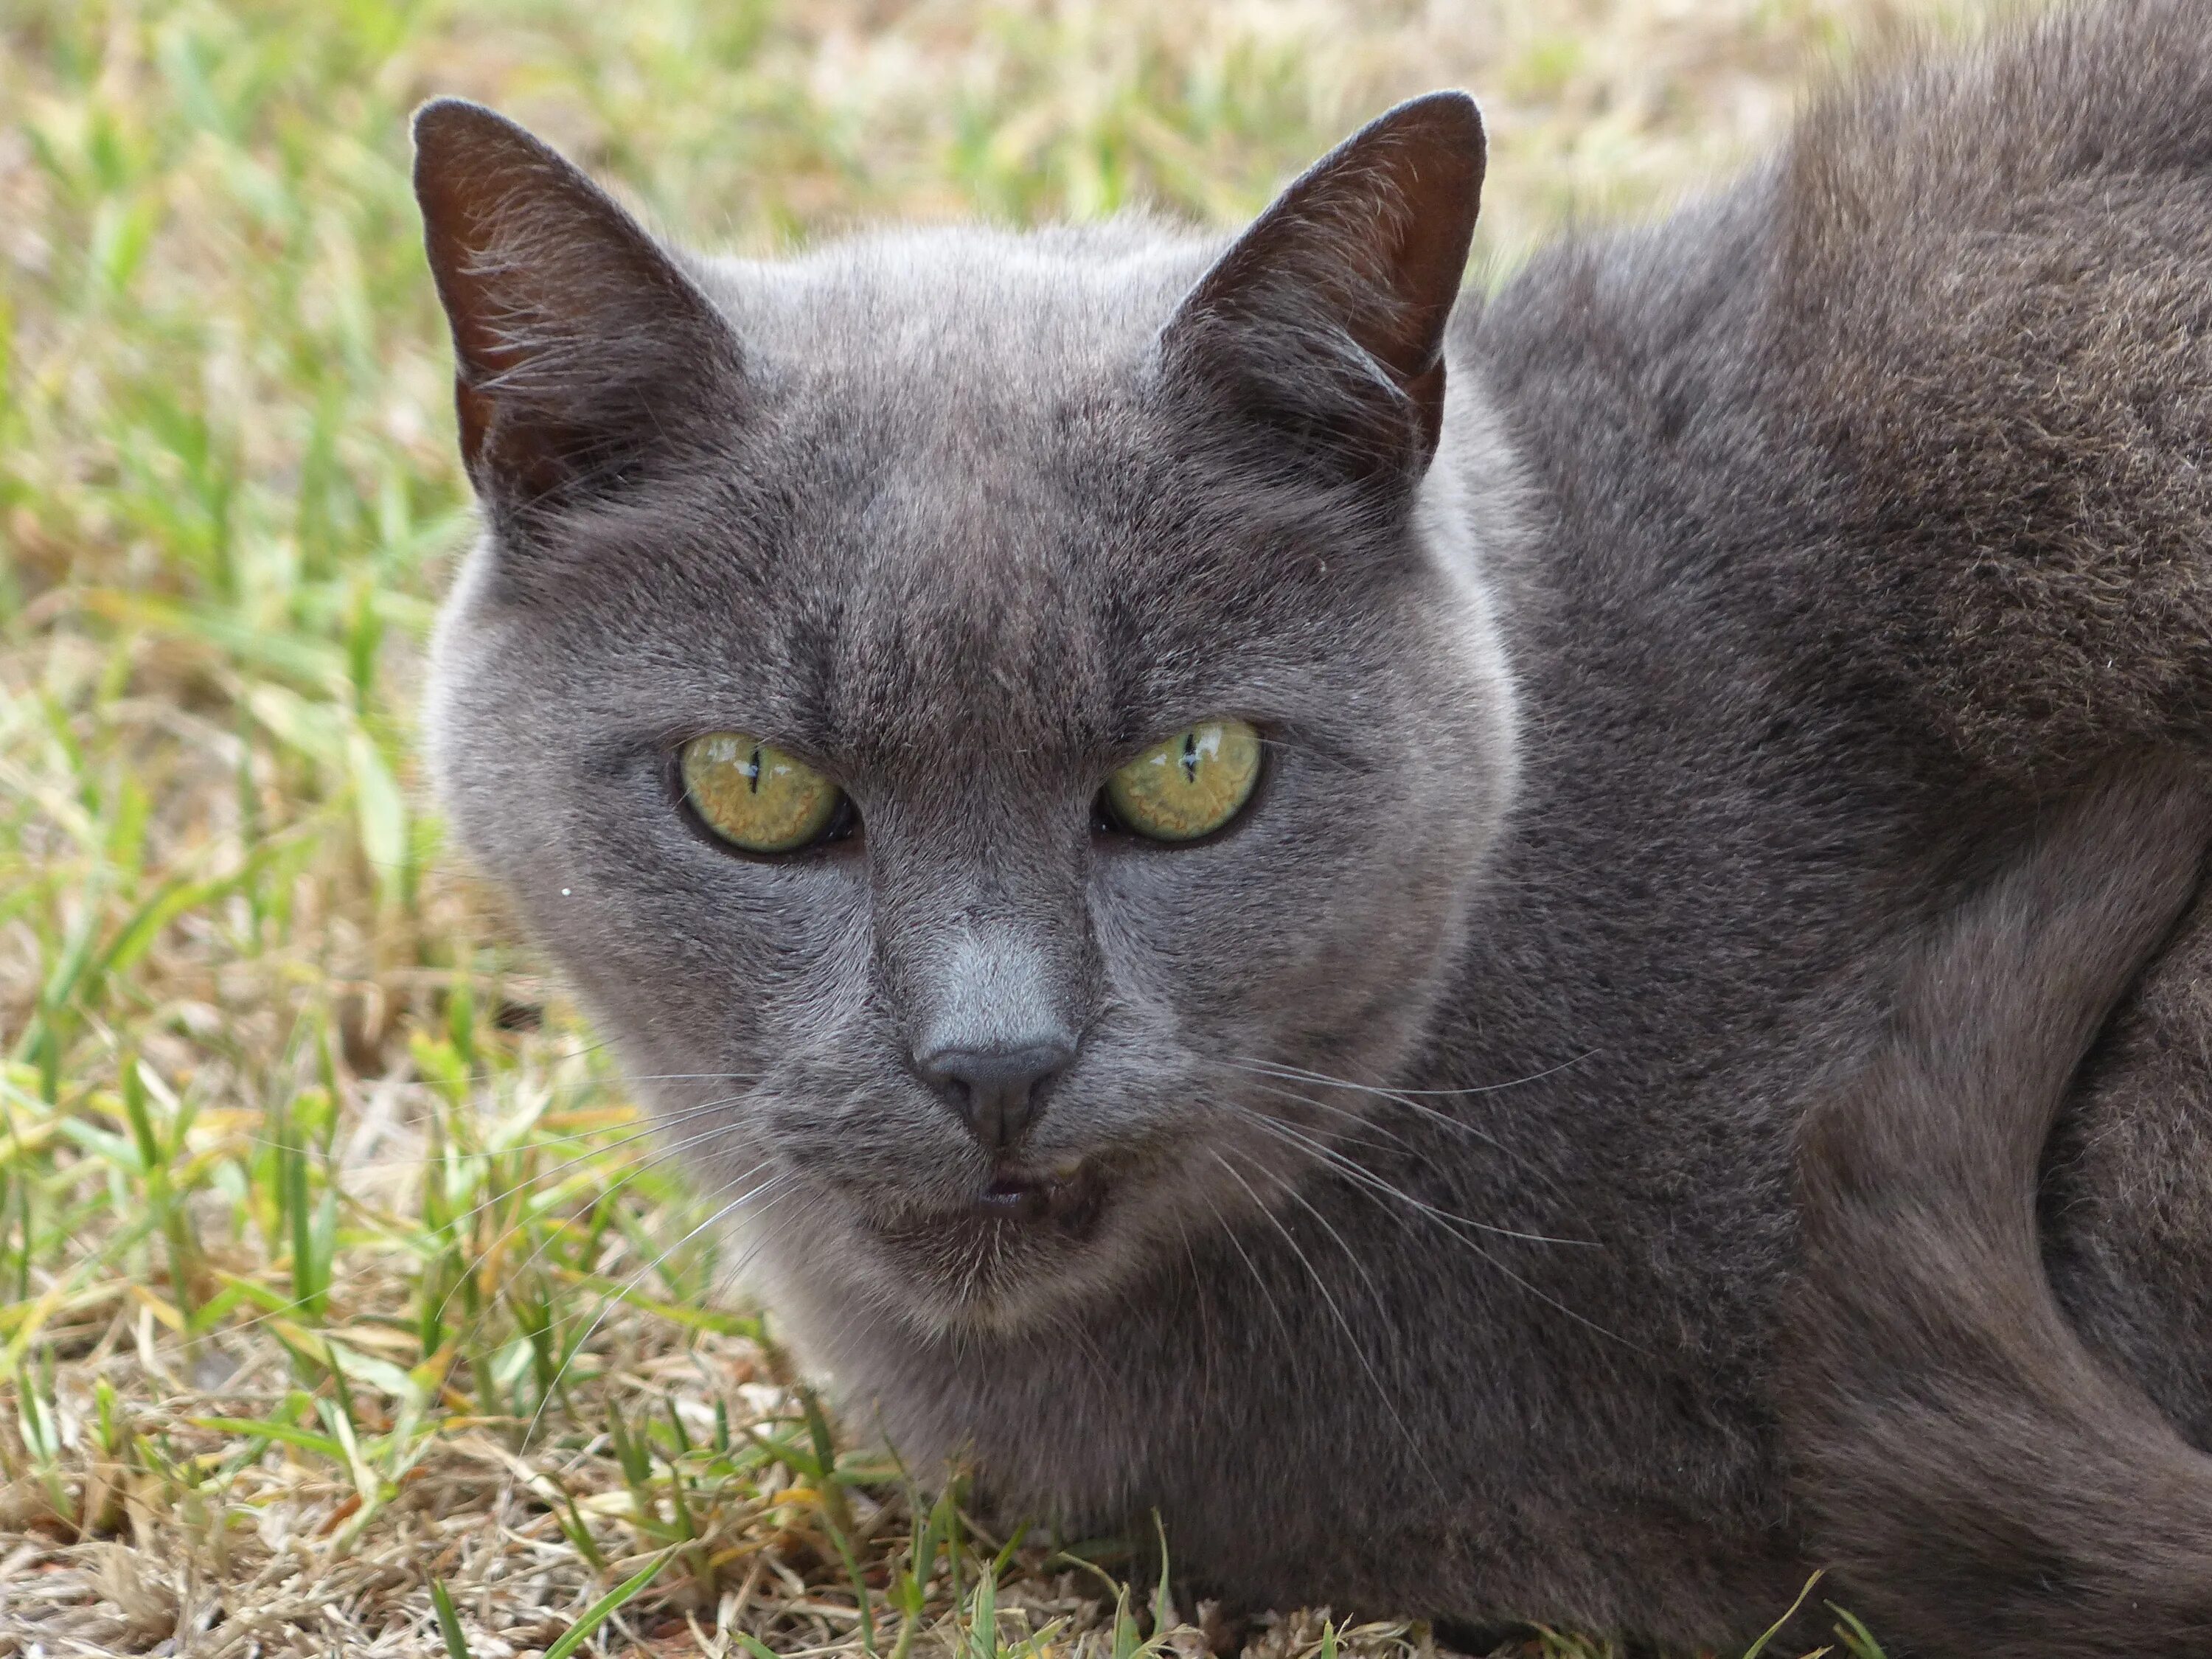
{"x": 343, "y": 1308}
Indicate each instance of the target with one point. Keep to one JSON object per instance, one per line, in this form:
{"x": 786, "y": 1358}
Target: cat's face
{"x": 964, "y": 523}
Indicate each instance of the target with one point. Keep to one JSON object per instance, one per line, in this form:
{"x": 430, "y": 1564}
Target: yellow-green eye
{"x": 754, "y": 795}
{"x": 1190, "y": 786}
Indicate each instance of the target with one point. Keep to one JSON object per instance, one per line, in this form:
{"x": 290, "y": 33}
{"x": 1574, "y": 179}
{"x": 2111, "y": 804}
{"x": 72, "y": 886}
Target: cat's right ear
{"x": 1320, "y": 333}
{"x": 581, "y": 349}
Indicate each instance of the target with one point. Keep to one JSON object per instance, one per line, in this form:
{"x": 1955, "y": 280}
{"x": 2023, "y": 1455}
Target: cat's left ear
{"x": 583, "y": 350}
{"x": 1323, "y": 328}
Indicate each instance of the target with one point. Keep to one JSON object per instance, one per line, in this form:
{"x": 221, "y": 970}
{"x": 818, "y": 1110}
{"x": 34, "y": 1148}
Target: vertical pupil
{"x": 753, "y": 770}
{"x": 1190, "y": 757}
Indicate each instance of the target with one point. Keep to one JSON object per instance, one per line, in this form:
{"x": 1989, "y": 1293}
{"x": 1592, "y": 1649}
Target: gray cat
{"x": 1472, "y": 948}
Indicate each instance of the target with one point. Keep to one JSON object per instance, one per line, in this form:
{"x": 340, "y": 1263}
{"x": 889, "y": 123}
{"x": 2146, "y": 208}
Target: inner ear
{"x": 580, "y": 347}
{"x": 1325, "y": 322}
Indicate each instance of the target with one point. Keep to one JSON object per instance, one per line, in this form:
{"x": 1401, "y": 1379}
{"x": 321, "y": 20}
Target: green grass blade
{"x": 1775, "y": 1629}
{"x": 449, "y": 1622}
{"x": 1858, "y": 1638}
{"x": 604, "y": 1609}
{"x": 306, "y": 1439}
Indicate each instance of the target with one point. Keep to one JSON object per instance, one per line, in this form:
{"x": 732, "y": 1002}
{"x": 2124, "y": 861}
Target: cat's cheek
{"x": 1302, "y": 938}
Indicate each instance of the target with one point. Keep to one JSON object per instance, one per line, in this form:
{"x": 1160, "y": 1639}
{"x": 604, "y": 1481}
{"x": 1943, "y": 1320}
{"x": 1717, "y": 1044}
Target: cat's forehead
{"x": 978, "y": 521}
{"x": 982, "y": 316}
{"x": 956, "y": 426}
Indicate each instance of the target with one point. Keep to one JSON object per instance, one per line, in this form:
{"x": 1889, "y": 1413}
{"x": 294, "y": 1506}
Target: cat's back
{"x": 1921, "y": 407}
{"x": 1986, "y": 343}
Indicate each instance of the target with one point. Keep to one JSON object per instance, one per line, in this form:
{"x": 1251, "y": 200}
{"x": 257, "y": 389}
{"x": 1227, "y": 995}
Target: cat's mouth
{"x": 1068, "y": 1203}
{"x": 1013, "y": 1204}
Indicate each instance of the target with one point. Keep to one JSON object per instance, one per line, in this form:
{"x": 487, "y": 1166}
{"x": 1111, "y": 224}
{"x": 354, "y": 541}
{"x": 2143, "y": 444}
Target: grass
{"x": 340, "y": 1307}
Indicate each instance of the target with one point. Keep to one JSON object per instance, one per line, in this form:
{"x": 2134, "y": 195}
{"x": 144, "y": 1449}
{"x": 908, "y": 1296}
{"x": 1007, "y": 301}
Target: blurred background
{"x": 336, "y": 1281}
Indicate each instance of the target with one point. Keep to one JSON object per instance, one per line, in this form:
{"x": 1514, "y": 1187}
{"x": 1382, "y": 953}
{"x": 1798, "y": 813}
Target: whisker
{"x": 1401, "y": 1094}
{"x": 1420, "y": 1108}
{"x": 1374, "y": 1292}
{"x": 1283, "y": 1325}
{"x": 1351, "y": 1337}
{"x": 607, "y": 1302}
{"x": 1207, "y": 1342}
{"x": 1357, "y": 1172}
{"x": 1362, "y": 1119}
{"x": 613, "y": 1191}
{"x": 628, "y": 1078}
{"x": 646, "y": 1124}
{"x": 1498, "y": 1267}
{"x": 737, "y": 1268}
{"x": 629, "y": 1174}
{"x": 476, "y": 1260}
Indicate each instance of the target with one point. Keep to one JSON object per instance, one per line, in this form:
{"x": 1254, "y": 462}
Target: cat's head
{"x": 895, "y": 556}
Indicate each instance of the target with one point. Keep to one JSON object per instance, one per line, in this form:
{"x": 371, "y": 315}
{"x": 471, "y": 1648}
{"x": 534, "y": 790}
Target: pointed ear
{"x": 581, "y": 351}
{"x": 1323, "y": 327}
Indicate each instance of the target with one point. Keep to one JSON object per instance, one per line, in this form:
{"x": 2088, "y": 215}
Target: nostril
{"x": 996, "y": 1091}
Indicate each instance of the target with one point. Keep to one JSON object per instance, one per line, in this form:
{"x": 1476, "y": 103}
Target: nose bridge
{"x": 997, "y": 988}
{"x": 983, "y": 936}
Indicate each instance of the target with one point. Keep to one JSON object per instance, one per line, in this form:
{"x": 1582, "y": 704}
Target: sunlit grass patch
{"x": 343, "y": 1303}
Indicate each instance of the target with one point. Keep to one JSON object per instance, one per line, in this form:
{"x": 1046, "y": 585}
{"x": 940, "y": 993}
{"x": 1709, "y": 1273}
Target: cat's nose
{"x": 997, "y": 1092}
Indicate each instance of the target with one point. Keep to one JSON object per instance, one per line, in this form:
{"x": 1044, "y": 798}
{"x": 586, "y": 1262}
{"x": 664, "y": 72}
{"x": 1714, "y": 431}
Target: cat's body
{"x": 1780, "y": 570}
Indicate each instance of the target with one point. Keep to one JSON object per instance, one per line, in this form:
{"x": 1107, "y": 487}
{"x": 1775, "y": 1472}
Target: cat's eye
{"x": 1190, "y": 786}
{"x": 755, "y": 797}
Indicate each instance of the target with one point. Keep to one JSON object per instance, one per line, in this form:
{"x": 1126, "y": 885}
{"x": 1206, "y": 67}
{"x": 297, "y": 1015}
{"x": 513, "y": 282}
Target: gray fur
{"x": 1781, "y": 571}
{"x": 1989, "y": 1487}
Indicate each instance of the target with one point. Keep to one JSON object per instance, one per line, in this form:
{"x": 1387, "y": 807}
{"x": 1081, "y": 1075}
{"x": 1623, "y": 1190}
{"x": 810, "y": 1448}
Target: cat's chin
{"x": 1011, "y": 1258}
{"x": 1019, "y": 1249}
